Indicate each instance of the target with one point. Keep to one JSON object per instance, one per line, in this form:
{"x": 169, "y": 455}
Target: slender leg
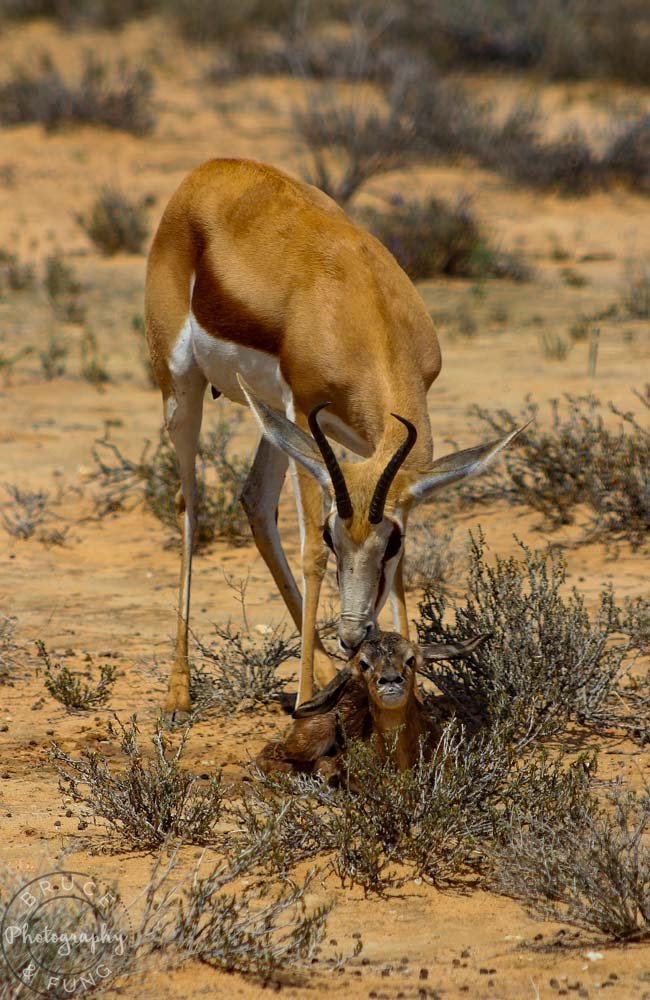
{"x": 314, "y": 563}
{"x": 259, "y": 499}
{"x": 183, "y": 414}
{"x": 398, "y": 601}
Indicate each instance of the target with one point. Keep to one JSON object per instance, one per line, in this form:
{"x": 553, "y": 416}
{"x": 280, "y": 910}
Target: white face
{"x": 365, "y": 574}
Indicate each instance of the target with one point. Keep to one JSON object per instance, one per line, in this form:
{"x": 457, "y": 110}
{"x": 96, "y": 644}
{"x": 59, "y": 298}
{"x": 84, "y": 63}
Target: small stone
{"x": 356, "y": 936}
{"x": 33, "y": 743}
{"x": 82, "y": 825}
{"x": 583, "y": 992}
{"x": 574, "y": 985}
{"x": 612, "y": 975}
{"x": 483, "y": 972}
{"x": 49, "y": 732}
{"x": 5, "y": 774}
{"x": 455, "y": 961}
{"x": 553, "y": 983}
{"x": 492, "y": 971}
{"x": 57, "y": 822}
{"x": 4, "y": 728}
{"x": 333, "y": 941}
{"x": 465, "y": 953}
{"x": 424, "y": 973}
{"x": 538, "y": 937}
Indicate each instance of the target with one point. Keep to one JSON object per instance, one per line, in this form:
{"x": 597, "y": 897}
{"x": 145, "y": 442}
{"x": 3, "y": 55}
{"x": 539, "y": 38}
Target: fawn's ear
{"x": 453, "y": 650}
{"x": 327, "y": 699}
{"x": 458, "y": 466}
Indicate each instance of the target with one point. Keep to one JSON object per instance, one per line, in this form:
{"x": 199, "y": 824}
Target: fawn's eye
{"x": 364, "y": 665}
{"x": 394, "y": 543}
{"x": 410, "y": 662}
{"x": 327, "y": 538}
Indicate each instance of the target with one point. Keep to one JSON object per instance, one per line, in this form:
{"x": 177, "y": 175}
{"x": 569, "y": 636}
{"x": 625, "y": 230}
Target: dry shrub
{"x": 588, "y": 866}
{"x": 119, "y": 98}
{"x": 152, "y": 800}
{"x": 28, "y": 511}
{"x": 369, "y": 141}
{"x": 434, "y": 238}
{"x": 257, "y": 930}
{"x": 547, "y": 662}
{"x": 430, "y": 561}
{"x": 242, "y": 668}
{"x": 155, "y": 480}
{"x": 384, "y": 827}
{"x": 578, "y": 460}
{"x": 116, "y": 223}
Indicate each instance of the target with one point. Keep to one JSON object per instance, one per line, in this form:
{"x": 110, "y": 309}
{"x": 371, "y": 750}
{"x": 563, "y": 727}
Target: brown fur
{"x": 316, "y": 741}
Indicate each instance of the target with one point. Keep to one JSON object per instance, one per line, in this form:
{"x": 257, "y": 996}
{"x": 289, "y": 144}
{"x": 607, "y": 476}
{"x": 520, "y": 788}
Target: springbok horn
{"x": 378, "y": 501}
{"x": 343, "y": 502}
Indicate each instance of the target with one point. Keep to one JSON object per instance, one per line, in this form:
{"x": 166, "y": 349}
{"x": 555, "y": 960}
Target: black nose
{"x": 395, "y": 679}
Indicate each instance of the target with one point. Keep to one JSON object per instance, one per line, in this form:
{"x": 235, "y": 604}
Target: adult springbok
{"x": 262, "y": 286}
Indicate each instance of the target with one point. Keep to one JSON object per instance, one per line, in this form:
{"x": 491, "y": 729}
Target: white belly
{"x": 221, "y": 360}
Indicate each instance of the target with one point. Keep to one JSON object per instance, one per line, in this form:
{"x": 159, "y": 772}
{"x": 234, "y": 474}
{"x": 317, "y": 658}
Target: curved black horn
{"x": 376, "y": 512}
{"x": 343, "y": 502}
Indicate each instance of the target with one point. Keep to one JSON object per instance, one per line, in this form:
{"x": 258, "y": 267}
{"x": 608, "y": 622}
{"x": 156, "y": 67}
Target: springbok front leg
{"x": 183, "y": 413}
{"x": 259, "y": 498}
{"x": 398, "y": 601}
{"x": 315, "y": 661}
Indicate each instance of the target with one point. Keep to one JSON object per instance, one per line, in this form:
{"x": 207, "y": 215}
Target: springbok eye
{"x": 394, "y": 543}
{"x": 327, "y": 538}
{"x": 410, "y": 662}
{"x": 364, "y": 665}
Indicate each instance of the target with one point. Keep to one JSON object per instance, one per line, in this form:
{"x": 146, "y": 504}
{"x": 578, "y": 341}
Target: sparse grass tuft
{"x": 63, "y": 289}
{"x": 547, "y": 661}
{"x": 92, "y": 368}
{"x": 152, "y": 800}
{"x": 8, "y": 647}
{"x": 243, "y": 667}
{"x": 588, "y": 866}
{"x": 578, "y": 460}
{"x": 69, "y": 688}
{"x": 636, "y": 289}
{"x": 434, "y": 238}
{"x": 15, "y": 275}
{"x": 117, "y": 99}
{"x": 115, "y": 223}
{"x": 53, "y": 357}
{"x": 554, "y": 345}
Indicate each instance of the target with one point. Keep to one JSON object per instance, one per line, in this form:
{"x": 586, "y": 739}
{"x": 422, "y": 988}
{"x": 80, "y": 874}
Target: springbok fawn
{"x": 376, "y": 696}
{"x": 262, "y": 286}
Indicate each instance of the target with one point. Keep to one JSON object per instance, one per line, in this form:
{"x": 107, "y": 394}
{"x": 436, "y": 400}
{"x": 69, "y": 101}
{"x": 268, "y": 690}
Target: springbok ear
{"x": 287, "y": 436}
{"x": 459, "y": 465}
{"x": 453, "y": 650}
{"x": 326, "y": 699}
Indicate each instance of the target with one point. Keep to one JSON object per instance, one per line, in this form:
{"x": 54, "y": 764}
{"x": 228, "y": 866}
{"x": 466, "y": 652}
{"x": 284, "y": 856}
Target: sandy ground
{"x": 111, "y": 588}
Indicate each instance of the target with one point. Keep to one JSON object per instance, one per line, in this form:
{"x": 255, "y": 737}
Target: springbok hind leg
{"x": 183, "y": 413}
